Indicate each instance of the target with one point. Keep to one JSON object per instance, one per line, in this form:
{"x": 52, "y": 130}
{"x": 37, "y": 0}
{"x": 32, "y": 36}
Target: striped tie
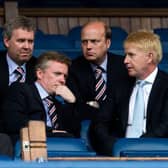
{"x": 100, "y": 86}
{"x": 19, "y": 74}
{"x": 52, "y": 111}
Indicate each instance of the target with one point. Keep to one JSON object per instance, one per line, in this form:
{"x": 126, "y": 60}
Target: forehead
{"x": 93, "y": 31}
{"x": 55, "y": 66}
{"x": 22, "y": 33}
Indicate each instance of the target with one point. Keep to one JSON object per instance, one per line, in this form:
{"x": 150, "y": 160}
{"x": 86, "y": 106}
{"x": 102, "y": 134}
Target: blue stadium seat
{"x": 84, "y": 132}
{"x": 74, "y": 35}
{"x": 117, "y": 38}
{"x": 72, "y": 147}
{"x": 163, "y": 65}
{"x": 162, "y": 32}
{"x": 71, "y": 53}
{"x": 5, "y": 158}
{"x": 53, "y": 42}
{"x": 141, "y": 147}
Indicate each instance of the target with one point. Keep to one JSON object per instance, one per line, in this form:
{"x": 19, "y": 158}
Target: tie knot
{"x": 49, "y": 100}
{"x": 19, "y": 70}
{"x": 141, "y": 83}
{"x": 99, "y": 69}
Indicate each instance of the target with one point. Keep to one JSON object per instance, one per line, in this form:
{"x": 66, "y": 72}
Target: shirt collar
{"x": 43, "y": 93}
{"x": 12, "y": 65}
{"x": 103, "y": 65}
{"x": 151, "y": 78}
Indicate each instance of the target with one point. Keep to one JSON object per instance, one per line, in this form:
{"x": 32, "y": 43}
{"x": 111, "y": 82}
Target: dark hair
{"x": 18, "y": 22}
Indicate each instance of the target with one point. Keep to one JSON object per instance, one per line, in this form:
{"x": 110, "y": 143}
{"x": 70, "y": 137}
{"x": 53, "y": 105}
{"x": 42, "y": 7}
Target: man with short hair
{"x": 40, "y": 101}
{"x": 16, "y": 62}
{"x": 140, "y": 110}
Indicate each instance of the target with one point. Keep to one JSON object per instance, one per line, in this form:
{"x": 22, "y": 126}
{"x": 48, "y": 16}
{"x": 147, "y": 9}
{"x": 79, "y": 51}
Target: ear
{"x": 108, "y": 43}
{"x": 39, "y": 73}
{"x": 6, "y": 42}
{"x": 150, "y": 56}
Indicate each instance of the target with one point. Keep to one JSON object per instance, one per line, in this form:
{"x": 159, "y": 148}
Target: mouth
{"x": 90, "y": 54}
{"x": 25, "y": 54}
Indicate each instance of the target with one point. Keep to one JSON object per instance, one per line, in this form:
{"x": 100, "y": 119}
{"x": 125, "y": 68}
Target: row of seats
{"x": 124, "y": 147}
{"x": 70, "y": 44}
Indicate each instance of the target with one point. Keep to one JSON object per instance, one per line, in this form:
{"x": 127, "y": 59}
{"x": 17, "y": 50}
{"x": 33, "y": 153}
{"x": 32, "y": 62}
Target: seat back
{"x": 72, "y": 147}
{"x": 117, "y": 38}
{"x": 141, "y": 147}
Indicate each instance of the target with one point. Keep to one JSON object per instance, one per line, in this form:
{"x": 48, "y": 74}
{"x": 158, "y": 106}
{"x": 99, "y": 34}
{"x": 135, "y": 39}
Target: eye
{"x": 95, "y": 41}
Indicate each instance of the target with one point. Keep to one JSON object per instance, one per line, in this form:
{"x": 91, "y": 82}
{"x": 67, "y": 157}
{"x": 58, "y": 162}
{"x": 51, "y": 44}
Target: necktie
{"x": 100, "y": 86}
{"x": 52, "y": 111}
{"x": 19, "y": 74}
{"x": 136, "y": 129}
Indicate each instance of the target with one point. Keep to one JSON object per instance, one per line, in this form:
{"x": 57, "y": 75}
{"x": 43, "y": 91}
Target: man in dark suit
{"x": 18, "y": 37}
{"x": 95, "y": 42}
{"x": 143, "y": 53}
{"x": 32, "y": 101}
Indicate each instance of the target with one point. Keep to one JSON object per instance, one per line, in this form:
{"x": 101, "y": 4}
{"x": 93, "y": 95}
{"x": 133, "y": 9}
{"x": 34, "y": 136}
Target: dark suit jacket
{"x": 4, "y": 74}
{"x": 112, "y": 120}
{"x": 81, "y": 81}
{"x": 23, "y": 103}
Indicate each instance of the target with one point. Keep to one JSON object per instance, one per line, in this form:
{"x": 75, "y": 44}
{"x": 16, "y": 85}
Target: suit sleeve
{"x": 102, "y": 131}
{"x": 14, "y": 109}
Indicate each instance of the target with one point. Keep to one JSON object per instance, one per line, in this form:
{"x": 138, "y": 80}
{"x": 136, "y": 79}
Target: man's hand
{"x": 65, "y": 93}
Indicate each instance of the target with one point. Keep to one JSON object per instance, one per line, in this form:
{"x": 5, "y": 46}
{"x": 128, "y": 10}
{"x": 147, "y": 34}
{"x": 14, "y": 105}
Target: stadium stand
{"x": 141, "y": 147}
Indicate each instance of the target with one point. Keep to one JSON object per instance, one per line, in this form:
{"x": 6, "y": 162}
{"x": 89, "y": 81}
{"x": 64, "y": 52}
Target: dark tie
{"x": 19, "y": 74}
{"x": 100, "y": 87}
{"x": 52, "y": 111}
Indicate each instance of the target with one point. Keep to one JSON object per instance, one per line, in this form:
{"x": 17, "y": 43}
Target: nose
{"x": 26, "y": 44}
{"x": 62, "y": 79}
{"x": 126, "y": 59}
{"x": 89, "y": 44}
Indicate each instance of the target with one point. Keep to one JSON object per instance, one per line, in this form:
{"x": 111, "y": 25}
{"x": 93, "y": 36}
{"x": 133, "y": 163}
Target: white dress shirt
{"x": 146, "y": 92}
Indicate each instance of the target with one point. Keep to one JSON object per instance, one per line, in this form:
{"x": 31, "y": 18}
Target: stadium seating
{"x": 75, "y": 36}
{"x": 84, "y": 132}
{"x": 61, "y": 147}
{"x": 162, "y": 32}
{"x": 141, "y": 147}
{"x": 53, "y": 42}
{"x": 117, "y": 38}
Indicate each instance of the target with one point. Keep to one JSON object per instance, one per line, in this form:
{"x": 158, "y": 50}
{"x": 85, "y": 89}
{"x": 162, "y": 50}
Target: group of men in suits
{"x": 46, "y": 79}
{"x": 111, "y": 120}
{"x": 143, "y": 52}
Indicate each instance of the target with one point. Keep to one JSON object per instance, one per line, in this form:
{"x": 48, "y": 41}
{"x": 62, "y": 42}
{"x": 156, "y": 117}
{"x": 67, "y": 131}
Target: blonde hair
{"x": 147, "y": 41}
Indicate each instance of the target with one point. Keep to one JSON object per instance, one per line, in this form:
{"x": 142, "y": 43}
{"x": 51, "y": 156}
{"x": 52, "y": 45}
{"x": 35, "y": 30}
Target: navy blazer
{"x": 81, "y": 81}
{"x": 24, "y": 103}
{"x": 4, "y": 73}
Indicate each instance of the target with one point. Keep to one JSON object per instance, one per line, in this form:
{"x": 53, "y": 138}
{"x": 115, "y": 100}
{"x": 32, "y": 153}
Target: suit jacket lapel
{"x": 156, "y": 88}
{"x": 37, "y": 95}
{"x": 90, "y": 84}
{"x": 30, "y": 72}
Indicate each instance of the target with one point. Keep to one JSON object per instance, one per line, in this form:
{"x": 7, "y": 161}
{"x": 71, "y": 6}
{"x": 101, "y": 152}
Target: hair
{"x": 44, "y": 58}
{"x": 107, "y": 29}
{"x": 16, "y": 23}
{"x": 147, "y": 41}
